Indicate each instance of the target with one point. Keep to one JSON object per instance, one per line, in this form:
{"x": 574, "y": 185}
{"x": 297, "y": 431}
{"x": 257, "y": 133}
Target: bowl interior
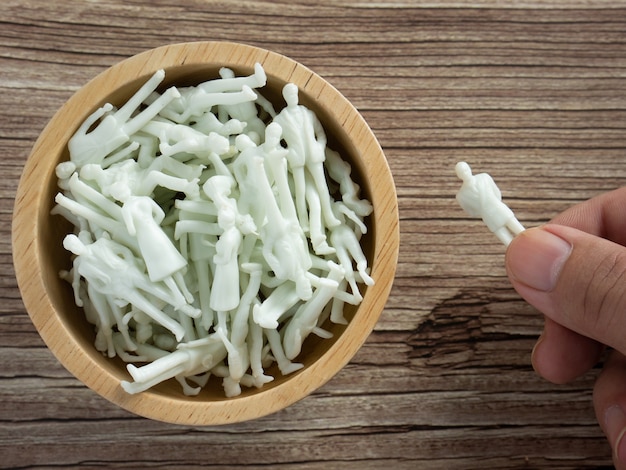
{"x": 69, "y": 324}
{"x": 57, "y": 259}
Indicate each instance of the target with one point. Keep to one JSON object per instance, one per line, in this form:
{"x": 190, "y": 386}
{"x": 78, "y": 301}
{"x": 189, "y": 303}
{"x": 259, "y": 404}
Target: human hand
{"x": 574, "y": 271}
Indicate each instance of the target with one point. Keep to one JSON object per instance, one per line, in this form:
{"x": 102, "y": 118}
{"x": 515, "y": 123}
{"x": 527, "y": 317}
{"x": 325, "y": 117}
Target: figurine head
{"x": 273, "y": 134}
{"x": 72, "y": 243}
{"x": 243, "y": 141}
{"x": 290, "y": 93}
{"x": 463, "y": 171}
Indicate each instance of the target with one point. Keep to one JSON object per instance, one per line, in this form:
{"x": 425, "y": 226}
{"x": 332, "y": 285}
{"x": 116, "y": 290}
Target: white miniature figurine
{"x": 291, "y": 120}
{"x": 339, "y": 170}
{"x": 176, "y": 168}
{"x": 284, "y": 244}
{"x": 235, "y": 339}
{"x": 246, "y": 177}
{"x": 116, "y": 126}
{"x": 244, "y": 110}
{"x": 194, "y": 101}
{"x": 306, "y": 317}
{"x": 225, "y": 292}
{"x": 479, "y": 196}
{"x": 189, "y": 359}
{"x": 178, "y": 138}
{"x": 86, "y": 194}
{"x": 275, "y": 156}
{"x": 112, "y": 269}
{"x": 349, "y": 251}
{"x": 229, "y": 82}
{"x": 142, "y": 217}
{"x": 93, "y": 219}
{"x": 306, "y": 142}
{"x": 127, "y": 178}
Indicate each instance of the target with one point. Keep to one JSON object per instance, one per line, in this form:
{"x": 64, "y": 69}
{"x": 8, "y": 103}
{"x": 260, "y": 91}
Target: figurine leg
{"x": 515, "y": 226}
{"x": 504, "y": 235}
{"x": 126, "y": 111}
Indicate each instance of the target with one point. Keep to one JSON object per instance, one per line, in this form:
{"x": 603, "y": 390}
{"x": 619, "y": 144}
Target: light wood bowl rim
{"x": 29, "y": 216}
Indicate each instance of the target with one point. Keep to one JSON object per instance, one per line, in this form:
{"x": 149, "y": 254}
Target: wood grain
{"x": 532, "y": 94}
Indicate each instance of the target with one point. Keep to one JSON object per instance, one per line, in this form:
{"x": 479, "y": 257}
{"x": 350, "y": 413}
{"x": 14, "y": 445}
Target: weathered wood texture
{"x": 533, "y": 95}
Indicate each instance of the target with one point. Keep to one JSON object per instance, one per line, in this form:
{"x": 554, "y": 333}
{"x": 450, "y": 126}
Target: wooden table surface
{"x": 533, "y": 95}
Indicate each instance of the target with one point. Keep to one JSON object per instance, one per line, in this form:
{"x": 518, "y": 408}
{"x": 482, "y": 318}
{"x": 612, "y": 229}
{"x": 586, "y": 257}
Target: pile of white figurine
{"x": 213, "y": 234}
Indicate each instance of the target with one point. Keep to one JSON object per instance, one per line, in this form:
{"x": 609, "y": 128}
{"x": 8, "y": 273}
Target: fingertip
{"x": 535, "y": 258}
{"x": 609, "y": 398}
{"x": 533, "y": 262}
{"x": 615, "y": 430}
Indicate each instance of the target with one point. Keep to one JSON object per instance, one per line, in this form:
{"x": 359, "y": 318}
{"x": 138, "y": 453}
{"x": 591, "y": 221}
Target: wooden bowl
{"x": 39, "y": 254}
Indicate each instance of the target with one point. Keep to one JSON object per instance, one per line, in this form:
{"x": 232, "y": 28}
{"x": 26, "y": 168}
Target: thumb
{"x": 576, "y": 279}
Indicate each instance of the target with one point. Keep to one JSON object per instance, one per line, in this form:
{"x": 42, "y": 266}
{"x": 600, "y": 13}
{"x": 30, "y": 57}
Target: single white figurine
{"x": 113, "y": 270}
{"x": 349, "y": 252}
{"x": 125, "y": 179}
{"x": 92, "y": 219}
{"x": 306, "y": 317}
{"x": 275, "y": 156}
{"x": 116, "y": 126}
{"x": 239, "y": 320}
{"x": 142, "y": 217}
{"x": 284, "y": 244}
{"x": 291, "y": 121}
{"x": 178, "y": 138}
{"x": 479, "y": 196}
{"x": 229, "y": 82}
{"x": 225, "y": 292}
{"x": 234, "y": 337}
{"x": 339, "y": 170}
{"x": 245, "y": 175}
{"x": 189, "y": 359}
{"x": 175, "y": 168}
{"x": 306, "y": 142}
{"x": 194, "y": 101}
{"x": 228, "y": 90}
{"x": 244, "y": 110}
